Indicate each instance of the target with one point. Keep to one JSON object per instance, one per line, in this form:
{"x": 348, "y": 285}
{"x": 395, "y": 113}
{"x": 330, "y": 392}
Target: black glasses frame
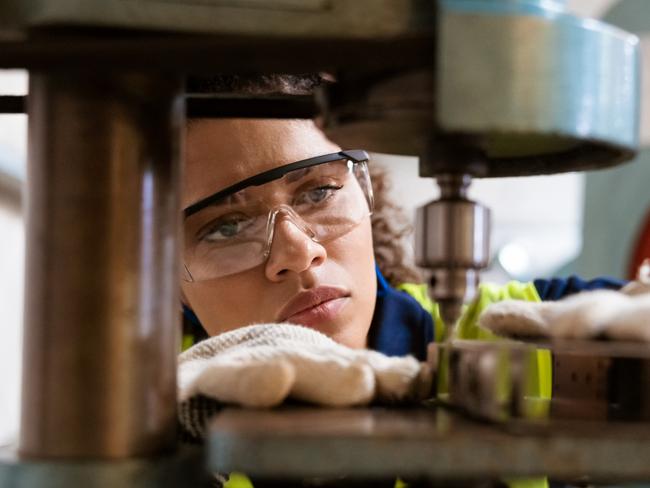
{"x": 354, "y": 155}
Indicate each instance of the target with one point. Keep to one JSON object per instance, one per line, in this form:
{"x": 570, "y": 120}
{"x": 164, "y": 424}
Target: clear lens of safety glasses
{"x": 235, "y": 232}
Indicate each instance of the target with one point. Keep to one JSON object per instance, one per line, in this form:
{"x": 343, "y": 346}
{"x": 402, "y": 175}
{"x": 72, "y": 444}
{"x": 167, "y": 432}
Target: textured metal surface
{"x": 185, "y": 468}
{"x": 600, "y": 380}
{"x": 101, "y": 311}
{"x": 421, "y": 443}
{"x": 592, "y": 380}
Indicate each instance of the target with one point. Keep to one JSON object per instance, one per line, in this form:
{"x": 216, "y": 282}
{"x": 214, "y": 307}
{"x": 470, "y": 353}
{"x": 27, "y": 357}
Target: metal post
{"x": 101, "y": 310}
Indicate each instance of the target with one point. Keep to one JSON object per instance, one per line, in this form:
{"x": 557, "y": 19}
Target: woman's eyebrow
{"x": 297, "y": 174}
{"x": 228, "y": 200}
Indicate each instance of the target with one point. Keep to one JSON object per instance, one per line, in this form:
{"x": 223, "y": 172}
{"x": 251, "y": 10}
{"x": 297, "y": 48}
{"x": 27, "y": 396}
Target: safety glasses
{"x": 232, "y": 230}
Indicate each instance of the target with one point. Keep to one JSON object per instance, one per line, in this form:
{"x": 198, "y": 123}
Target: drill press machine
{"x": 475, "y": 88}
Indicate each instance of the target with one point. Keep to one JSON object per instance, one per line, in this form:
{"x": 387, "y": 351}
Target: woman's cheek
{"x": 225, "y": 304}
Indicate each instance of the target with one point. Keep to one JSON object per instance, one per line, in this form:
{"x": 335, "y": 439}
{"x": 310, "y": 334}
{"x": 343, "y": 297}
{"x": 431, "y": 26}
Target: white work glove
{"x": 618, "y": 315}
{"x": 263, "y": 365}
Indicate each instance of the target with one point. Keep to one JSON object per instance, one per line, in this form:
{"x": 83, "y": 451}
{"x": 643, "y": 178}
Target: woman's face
{"x": 298, "y": 270}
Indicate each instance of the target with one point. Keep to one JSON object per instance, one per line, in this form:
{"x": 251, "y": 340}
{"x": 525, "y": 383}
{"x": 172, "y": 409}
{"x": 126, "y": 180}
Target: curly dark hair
{"x": 269, "y": 84}
{"x": 391, "y": 230}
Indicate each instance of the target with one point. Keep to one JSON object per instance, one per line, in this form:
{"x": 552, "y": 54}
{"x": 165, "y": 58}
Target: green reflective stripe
{"x": 468, "y": 327}
{"x": 187, "y": 342}
{"x": 527, "y": 483}
{"x": 238, "y": 480}
{"x": 545, "y": 365}
{"x": 537, "y": 404}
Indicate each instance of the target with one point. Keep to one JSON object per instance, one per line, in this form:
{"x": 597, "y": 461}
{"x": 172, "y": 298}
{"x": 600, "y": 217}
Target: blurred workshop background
{"x": 589, "y": 224}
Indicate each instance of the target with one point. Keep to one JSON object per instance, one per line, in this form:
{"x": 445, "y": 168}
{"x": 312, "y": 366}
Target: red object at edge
{"x": 641, "y": 249}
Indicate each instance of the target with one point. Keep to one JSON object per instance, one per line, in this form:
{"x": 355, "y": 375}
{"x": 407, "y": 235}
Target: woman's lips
{"x": 314, "y": 306}
{"x": 319, "y": 314}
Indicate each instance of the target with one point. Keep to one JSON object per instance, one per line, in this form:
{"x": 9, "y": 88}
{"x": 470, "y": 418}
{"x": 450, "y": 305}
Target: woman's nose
{"x": 292, "y": 250}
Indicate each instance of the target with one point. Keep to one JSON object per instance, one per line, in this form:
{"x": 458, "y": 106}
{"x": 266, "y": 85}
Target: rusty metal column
{"x": 101, "y": 308}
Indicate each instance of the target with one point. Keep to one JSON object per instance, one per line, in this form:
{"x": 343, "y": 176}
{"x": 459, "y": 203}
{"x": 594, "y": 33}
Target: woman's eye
{"x": 318, "y": 195}
{"x": 226, "y": 228}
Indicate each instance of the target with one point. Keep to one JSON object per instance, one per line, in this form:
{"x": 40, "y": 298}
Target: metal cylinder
{"x": 549, "y": 93}
{"x": 452, "y": 240}
{"x": 452, "y": 232}
{"x": 101, "y": 308}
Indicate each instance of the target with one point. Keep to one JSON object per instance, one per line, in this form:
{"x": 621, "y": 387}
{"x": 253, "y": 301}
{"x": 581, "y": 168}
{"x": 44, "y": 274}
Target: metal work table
{"x": 422, "y": 443}
{"x": 178, "y": 469}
